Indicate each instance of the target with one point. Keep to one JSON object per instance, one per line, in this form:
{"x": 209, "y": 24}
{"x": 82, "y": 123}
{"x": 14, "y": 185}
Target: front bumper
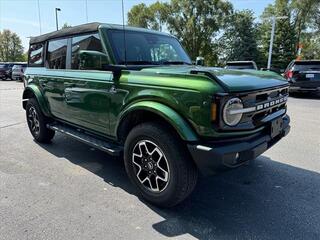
{"x": 212, "y": 157}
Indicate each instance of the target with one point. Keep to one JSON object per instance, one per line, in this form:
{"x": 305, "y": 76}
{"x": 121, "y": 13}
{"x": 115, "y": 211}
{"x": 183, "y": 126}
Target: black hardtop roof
{"x": 85, "y": 28}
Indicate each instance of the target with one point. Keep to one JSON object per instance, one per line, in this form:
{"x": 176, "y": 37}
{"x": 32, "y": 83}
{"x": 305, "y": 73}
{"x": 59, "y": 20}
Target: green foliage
{"x": 65, "y": 25}
{"x": 195, "y": 23}
{"x": 239, "y": 40}
{"x": 151, "y": 17}
{"x": 11, "y": 49}
{"x": 311, "y": 45}
{"x": 210, "y": 29}
{"x": 301, "y": 18}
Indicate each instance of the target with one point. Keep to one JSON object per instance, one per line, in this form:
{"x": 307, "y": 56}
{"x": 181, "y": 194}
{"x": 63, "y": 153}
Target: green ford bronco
{"x": 135, "y": 93}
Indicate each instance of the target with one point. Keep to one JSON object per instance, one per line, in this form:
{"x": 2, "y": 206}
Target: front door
{"x": 86, "y": 98}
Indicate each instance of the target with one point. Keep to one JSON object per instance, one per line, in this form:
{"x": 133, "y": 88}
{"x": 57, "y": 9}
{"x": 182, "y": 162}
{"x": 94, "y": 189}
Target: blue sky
{"x": 21, "y": 16}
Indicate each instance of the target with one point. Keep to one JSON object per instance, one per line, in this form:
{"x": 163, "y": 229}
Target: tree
{"x": 238, "y": 42}
{"x": 195, "y": 23}
{"x": 11, "y": 49}
{"x": 65, "y": 25}
{"x": 152, "y": 17}
{"x": 139, "y": 16}
{"x": 302, "y": 17}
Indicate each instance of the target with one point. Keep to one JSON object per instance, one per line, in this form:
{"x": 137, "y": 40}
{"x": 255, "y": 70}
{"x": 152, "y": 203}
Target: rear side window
{"x": 89, "y": 42}
{"x": 36, "y": 54}
{"x": 57, "y": 54}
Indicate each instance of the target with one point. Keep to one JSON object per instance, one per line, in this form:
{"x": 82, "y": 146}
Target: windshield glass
{"x": 146, "y": 48}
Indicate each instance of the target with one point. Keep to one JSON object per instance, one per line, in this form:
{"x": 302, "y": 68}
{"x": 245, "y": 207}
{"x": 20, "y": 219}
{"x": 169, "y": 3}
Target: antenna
{"x": 87, "y": 10}
{"x": 39, "y": 17}
{"x": 124, "y": 36}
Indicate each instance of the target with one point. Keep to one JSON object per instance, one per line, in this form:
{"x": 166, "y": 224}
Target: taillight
{"x": 289, "y": 74}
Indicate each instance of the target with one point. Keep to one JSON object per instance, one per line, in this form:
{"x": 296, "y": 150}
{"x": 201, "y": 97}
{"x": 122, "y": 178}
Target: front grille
{"x": 269, "y": 104}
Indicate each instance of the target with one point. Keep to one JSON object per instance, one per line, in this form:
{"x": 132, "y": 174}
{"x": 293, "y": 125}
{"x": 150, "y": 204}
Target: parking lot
{"x": 67, "y": 190}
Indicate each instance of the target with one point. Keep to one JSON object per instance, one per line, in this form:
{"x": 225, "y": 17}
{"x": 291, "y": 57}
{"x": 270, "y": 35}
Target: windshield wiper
{"x": 175, "y": 63}
{"x": 139, "y": 63}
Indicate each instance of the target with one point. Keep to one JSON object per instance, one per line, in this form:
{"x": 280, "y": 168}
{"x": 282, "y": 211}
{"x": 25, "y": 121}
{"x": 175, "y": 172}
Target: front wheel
{"x": 159, "y": 165}
{"x": 37, "y": 122}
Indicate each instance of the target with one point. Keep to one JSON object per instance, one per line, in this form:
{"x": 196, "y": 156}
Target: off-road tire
{"x": 183, "y": 173}
{"x": 43, "y": 134}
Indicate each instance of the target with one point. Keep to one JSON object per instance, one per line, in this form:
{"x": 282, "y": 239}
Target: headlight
{"x": 231, "y": 113}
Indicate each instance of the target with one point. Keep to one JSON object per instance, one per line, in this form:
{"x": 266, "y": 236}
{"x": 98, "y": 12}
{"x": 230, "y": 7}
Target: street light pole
{"x": 274, "y": 18}
{"x": 57, "y": 25}
{"x": 271, "y": 41}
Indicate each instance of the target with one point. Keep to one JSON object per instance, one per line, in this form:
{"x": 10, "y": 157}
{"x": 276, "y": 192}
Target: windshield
{"x": 146, "y": 48}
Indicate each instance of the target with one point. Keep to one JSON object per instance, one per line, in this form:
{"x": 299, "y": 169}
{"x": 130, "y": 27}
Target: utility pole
{"x": 57, "y": 24}
{"x": 274, "y": 18}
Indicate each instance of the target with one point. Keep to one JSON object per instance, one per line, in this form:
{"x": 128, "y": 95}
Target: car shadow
{"x": 263, "y": 200}
{"x": 305, "y": 95}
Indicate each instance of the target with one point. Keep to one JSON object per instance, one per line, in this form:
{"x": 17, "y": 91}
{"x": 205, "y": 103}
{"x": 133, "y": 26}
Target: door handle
{"x": 113, "y": 89}
{"x": 43, "y": 83}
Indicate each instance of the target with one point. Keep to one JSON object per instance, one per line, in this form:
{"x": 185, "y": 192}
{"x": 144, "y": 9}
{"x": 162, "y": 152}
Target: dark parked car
{"x": 303, "y": 76}
{"x": 18, "y": 71}
{"x": 5, "y": 70}
{"x": 240, "y": 65}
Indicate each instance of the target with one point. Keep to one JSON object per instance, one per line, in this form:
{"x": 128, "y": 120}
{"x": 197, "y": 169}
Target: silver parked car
{"x": 18, "y": 71}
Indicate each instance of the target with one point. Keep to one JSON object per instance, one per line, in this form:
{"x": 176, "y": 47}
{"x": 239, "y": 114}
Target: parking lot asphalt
{"x": 67, "y": 190}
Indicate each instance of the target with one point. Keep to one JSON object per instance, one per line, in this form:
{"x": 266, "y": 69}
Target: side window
{"x": 36, "y": 54}
{"x": 57, "y": 53}
{"x": 83, "y": 43}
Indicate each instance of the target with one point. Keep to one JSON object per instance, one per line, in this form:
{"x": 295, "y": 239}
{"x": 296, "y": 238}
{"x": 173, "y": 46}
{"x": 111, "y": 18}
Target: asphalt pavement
{"x": 67, "y": 190}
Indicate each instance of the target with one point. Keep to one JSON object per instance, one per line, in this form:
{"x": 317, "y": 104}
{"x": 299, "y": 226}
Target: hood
{"x": 230, "y": 80}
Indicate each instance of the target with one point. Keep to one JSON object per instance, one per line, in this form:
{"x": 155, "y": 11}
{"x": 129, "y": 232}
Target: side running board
{"x": 82, "y": 136}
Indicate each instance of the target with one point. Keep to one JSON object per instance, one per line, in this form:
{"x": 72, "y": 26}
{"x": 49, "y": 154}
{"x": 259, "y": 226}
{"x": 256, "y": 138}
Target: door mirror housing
{"x": 200, "y": 61}
{"x": 92, "y": 60}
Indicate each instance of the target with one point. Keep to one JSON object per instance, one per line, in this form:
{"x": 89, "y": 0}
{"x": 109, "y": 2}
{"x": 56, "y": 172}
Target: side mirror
{"x": 200, "y": 61}
{"x": 92, "y": 60}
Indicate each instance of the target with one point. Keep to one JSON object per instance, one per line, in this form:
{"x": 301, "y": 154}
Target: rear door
{"x": 51, "y": 79}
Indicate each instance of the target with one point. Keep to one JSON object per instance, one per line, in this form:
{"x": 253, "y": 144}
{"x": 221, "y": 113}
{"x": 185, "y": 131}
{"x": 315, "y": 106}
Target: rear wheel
{"x": 159, "y": 165}
{"x": 37, "y": 122}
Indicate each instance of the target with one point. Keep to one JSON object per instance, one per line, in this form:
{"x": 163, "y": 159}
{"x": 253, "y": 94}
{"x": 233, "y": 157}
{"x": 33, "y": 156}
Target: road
{"x": 67, "y": 190}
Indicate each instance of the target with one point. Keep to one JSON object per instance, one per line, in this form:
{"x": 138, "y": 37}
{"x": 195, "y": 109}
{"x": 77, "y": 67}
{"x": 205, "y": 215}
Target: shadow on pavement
{"x": 313, "y": 96}
{"x": 264, "y": 200}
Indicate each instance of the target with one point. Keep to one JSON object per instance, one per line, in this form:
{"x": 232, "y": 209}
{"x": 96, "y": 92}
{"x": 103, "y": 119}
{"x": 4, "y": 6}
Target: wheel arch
{"x": 34, "y": 92}
{"x": 147, "y": 111}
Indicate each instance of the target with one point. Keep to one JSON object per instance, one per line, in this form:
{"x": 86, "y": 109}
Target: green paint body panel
{"x": 99, "y": 101}
{"x": 166, "y": 113}
{"x": 34, "y": 89}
